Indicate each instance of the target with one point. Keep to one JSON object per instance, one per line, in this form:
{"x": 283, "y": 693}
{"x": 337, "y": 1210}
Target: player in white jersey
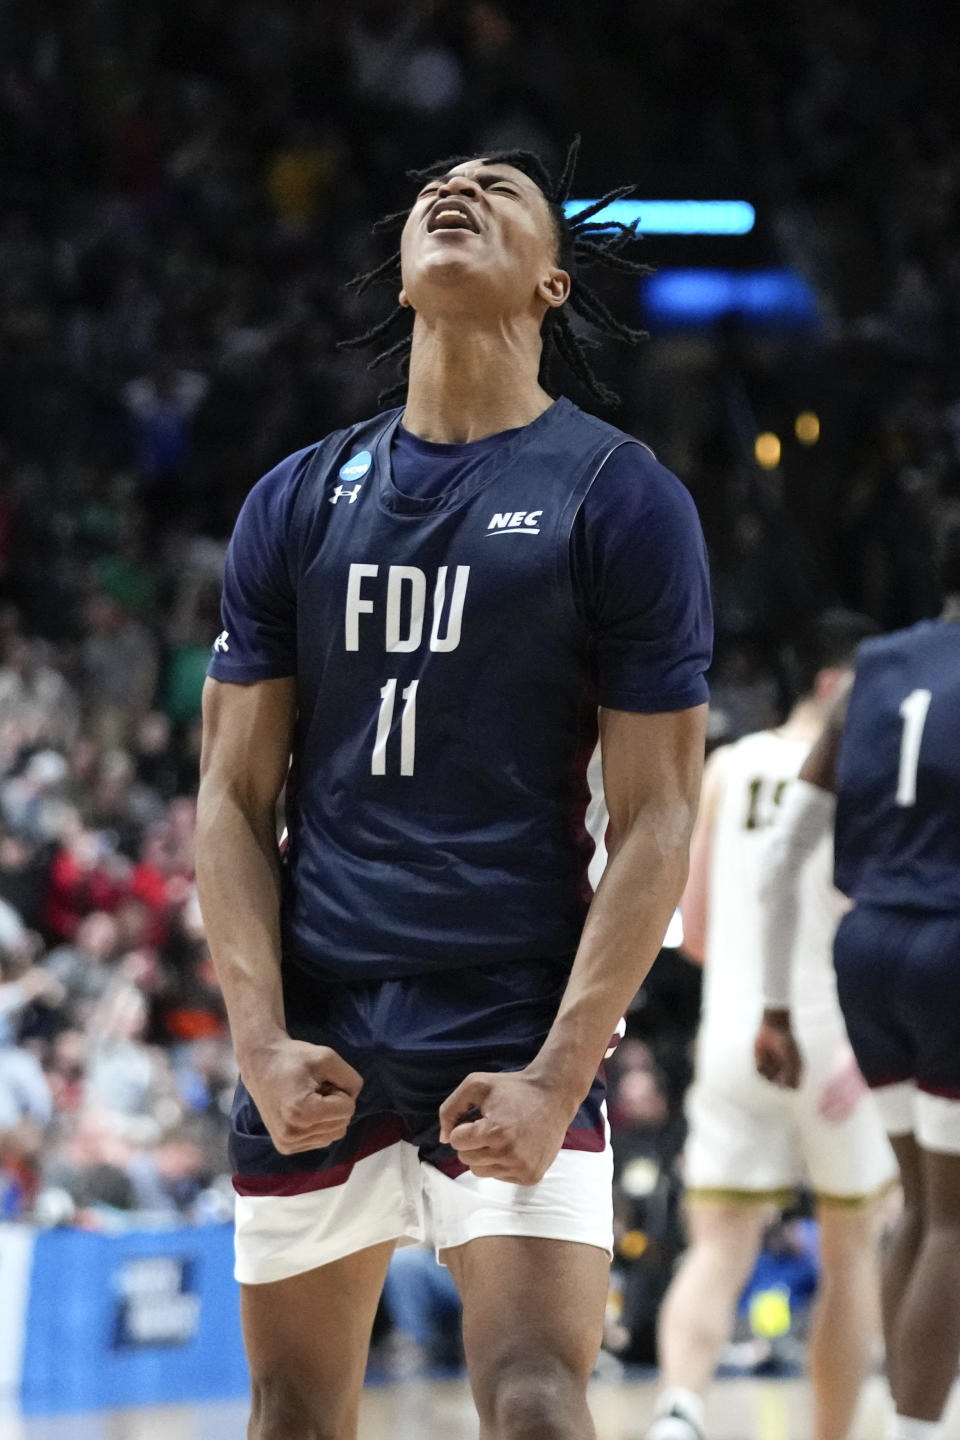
{"x": 750, "y": 1143}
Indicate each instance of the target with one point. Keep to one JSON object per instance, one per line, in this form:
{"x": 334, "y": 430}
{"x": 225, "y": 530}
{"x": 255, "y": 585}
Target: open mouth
{"x": 451, "y": 215}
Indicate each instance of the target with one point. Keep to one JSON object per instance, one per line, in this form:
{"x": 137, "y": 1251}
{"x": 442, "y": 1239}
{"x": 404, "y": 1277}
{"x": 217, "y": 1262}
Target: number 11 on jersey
{"x": 408, "y": 728}
{"x": 914, "y": 713}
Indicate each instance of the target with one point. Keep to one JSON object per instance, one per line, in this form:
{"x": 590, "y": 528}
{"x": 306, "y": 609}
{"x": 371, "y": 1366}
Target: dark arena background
{"x": 186, "y": 188}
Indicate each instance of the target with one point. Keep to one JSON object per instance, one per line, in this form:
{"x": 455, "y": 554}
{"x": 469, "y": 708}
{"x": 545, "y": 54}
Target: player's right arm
{"x": 820, "y": 766}
{"x": 305, "y": 1093}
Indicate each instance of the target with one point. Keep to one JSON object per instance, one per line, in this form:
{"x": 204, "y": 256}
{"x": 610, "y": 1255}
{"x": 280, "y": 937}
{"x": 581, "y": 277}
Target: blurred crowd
{"x": 187, "y": 186}
{"x": 115, "y": 1066}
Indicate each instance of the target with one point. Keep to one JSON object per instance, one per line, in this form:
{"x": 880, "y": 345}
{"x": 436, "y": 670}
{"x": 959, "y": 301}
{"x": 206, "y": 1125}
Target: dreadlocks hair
{"x": 581, "y": 243}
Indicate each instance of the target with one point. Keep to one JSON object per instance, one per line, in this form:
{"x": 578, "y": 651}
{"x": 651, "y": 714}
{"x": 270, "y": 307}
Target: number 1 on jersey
{"x": 408, "y": 728}
{"x": 914, "y": 712}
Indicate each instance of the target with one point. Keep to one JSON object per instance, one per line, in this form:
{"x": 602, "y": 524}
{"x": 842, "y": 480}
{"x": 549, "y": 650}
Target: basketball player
{"x": 891, "y": 756}
{"x": 426, "y": 610}
{"x": 750, "y": 1143}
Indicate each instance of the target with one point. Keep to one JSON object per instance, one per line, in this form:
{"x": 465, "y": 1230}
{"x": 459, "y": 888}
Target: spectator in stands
{"x": 37, "y": 705}
{"x": 118, "y": 668}
{"x": 66, "y": 1071}
{"x": 120, "y": 808}
{"x": 86, "y": 875}
{"x": 29, "y": 799}
{"x": 25, "y": 1099}
{"x": 86, "y": 966}
{"x": 126, "y": 1079}
{"x": 160, "y": 881}
{"x": 23, "y": 876}
{"x": 168, "y": 1177}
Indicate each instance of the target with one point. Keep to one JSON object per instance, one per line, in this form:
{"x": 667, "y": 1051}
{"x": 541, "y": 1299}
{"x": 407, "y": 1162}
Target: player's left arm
{"x": 652, "y": 767}
{"x": 641, "y": 584}
{"x": 651, "y": 771}
{"x": 806, "y": 816}
{"x": 695, "y": 901}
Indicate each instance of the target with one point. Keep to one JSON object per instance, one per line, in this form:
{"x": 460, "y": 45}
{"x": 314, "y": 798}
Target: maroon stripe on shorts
{"x": 453, "y": 1166}
{"x": 890, "y": 1080}
{"x": 592, "y": 1139}
{"x": 299, "y": 1182}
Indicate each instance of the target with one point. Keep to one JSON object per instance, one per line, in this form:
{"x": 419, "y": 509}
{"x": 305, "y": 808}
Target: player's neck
{"x": 951, "y": 610}
{"x": 468, "y": 381}
{"x": 804, "y": 722}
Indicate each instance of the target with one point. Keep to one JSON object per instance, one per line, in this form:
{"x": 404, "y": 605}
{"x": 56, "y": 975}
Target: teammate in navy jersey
{"x": 891, "y": 756}
{"x": 426, "y": 611}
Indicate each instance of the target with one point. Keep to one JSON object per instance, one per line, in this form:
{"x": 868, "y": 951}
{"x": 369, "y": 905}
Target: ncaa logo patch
{"x": 357, "y": 466}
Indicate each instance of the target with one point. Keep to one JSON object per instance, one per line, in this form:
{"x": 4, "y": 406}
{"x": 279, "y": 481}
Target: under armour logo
{"x": 220, "y": 644}
{"x": 342, "y": 490}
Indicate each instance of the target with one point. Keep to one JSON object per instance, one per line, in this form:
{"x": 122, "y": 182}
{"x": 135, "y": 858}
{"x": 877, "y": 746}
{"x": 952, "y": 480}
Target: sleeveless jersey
{"x": 898, "y": 772}
{"x": 447, "y": 698}
{"x": 757, "y": 771}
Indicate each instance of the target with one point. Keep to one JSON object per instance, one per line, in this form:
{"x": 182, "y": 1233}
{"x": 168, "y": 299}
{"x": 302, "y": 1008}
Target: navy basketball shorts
{"x": 413, "y": 1040}
{"x": 898, "y": 980}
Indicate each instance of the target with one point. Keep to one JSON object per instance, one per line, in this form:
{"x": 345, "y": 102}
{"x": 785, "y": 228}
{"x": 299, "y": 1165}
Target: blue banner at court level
{"x": 146, "y": 1318}
{"x": 677, "y": 298}
{"x": 675, "y": 217}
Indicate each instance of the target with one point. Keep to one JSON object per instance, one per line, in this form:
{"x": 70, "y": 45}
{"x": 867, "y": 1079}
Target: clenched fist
{"x": 305, "y": 1093}
{"x": 507, "y": 1126}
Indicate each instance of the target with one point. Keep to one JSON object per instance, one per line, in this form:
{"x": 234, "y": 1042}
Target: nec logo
{"x": 515, "y": 522}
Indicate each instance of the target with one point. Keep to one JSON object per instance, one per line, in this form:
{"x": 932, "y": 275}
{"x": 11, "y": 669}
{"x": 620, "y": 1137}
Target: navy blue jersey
{"x": 449, "y": 664}
{"x": 898, "y": 772}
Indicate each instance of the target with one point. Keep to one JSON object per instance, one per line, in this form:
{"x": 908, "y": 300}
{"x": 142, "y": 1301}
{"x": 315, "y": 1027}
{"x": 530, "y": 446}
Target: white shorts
{"x": 393, "y": 1195}
{"x": 748, "y": 1137}
{"x": 934, "y": 1119}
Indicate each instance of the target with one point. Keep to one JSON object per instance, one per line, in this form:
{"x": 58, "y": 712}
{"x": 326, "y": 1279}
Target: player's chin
{"x": 450, "y": 264}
